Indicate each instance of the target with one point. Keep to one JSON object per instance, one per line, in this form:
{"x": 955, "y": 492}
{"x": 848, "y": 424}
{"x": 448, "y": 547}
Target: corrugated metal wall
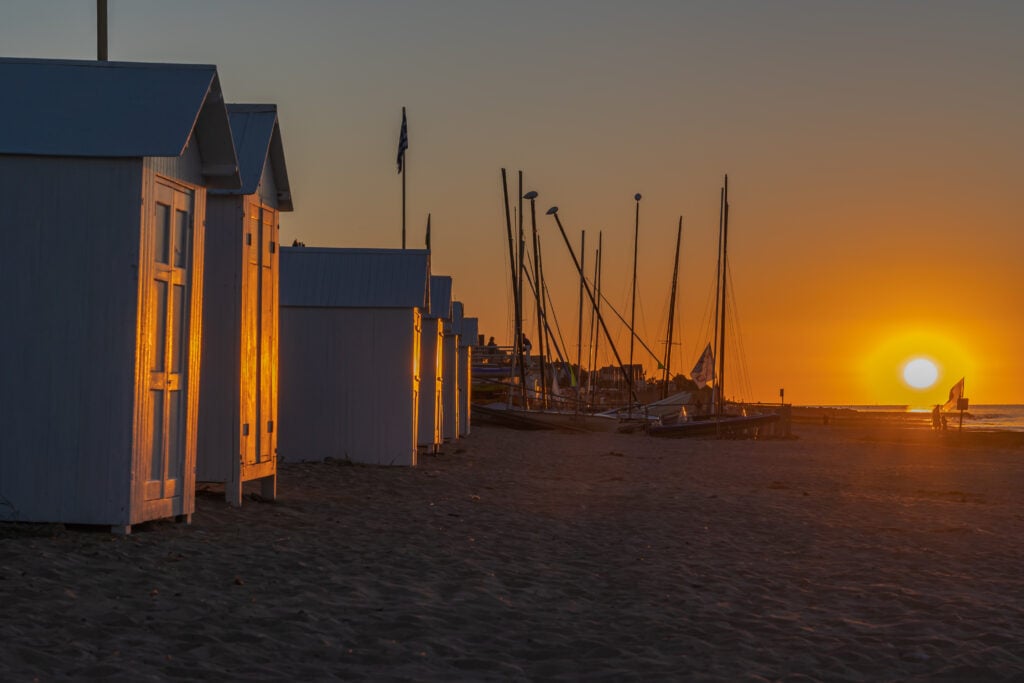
{"x": 188, "y": 167}
{"x": 218, "y": 449}
{"x": 450, "y": 387}
{"x": 347, "y": 385}
{"x": 69, "y": 274}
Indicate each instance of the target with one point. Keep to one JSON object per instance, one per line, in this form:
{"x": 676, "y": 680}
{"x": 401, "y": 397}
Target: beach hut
{"x": 349, "y": 353}
{"x": 431, "y": 416}
{"x": 450, "y": 416}
{"x": 105, "y": 168}
{"x": 238, "y": 395}
{"x": 467, "y": 339}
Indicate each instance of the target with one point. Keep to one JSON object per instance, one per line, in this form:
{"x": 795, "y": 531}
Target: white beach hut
{"x": 450, "y": 378}
{"x": 467, "y": 340}
{"x": 431, "y": 415}
{"x": 238, "y": 399}
{"x": 349, "y": 353}
{"x": 105, "y": 167}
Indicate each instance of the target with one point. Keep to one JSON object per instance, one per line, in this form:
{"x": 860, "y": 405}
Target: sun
{"x": 920, "y": 373}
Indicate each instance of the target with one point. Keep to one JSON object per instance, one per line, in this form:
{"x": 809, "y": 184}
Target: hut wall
{"x": 450, "y": 387}
{"x": 467, "y": 339}
{"x": 69, "y": 273}
{"x": 238, "y": 409}
{"x": 187, "y": 168}
{"x": 345, "y": 390}
{"x": 218, "y": 450}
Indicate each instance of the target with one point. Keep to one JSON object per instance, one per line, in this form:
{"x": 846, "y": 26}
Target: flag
{"x": 955, "y": 394}
{"x": 403, "y": 142}
{"x": 428, "y": 232}
{"x": 704, "y": 371}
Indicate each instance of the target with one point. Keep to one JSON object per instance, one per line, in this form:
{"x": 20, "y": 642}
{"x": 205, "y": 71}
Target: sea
{"x": 981, "y": 417}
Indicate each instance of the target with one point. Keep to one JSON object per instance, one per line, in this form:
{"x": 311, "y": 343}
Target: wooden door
{"x": 258, "y": 435}
{"x": 267, "y": 447}
{"x": 168, "y": 329}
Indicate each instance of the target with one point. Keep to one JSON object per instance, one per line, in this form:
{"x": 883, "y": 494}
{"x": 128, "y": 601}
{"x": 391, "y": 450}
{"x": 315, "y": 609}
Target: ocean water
{"x": 1003, "y": 417}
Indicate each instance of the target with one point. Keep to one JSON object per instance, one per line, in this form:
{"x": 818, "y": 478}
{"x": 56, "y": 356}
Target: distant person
{"x": 937, "y": 418}
{"x": 491, "y": 343}
{"x": 527, "y": 346}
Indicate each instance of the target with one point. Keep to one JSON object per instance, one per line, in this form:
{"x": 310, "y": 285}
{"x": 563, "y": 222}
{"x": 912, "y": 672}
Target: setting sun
{"x": 920, "y": 373}
{"x": 915, "y": 366}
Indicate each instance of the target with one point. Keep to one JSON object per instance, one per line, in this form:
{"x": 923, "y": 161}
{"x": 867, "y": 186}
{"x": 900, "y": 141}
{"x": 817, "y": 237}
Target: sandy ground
{"x": 846, "y": 554}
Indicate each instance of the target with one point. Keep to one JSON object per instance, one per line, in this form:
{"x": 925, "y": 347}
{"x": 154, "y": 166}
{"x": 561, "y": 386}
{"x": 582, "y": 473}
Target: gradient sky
{"x": 874, "y": 154}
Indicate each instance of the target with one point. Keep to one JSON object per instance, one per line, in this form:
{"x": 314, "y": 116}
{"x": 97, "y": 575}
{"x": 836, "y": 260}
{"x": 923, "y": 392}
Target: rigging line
{"x": 550, "y": 308}
{"x": 533, "y": 288}
{"x": 738, "y": 333}
{"x": 705, "y": 325}
{"x": 619, "y": 316}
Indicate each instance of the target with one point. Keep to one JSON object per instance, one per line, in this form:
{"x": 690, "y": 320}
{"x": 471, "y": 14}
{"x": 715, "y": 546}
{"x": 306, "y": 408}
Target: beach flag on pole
{"x": 704, "y": 371}
{"x": 403, "y": 142}
{"x": 955, "y": 394}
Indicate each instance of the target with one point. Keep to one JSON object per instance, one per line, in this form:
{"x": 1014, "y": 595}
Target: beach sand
{"x": 848, "y": 553}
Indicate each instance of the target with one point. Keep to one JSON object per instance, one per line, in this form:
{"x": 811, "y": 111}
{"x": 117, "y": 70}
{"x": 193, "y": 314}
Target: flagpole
{"x": 101, "y": 30}
{"x": 403, "y": 144}
{"x": 403, "y": 205}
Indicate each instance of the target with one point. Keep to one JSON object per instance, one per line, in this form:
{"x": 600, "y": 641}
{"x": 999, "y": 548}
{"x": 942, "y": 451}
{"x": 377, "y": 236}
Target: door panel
{"x": 268, "y": 334}
{"x": 250, "y": 273}
{"x": 168, "y": 332}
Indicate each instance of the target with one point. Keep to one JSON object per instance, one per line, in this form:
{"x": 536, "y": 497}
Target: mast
{"x": 517, "y": 348}
{"x": 595, "y": 310}
{"x": 671, "y": 312}
{"x": 725, "y": 276}
{"x": 579, "y": 325}
{"x": 519, "y": 333}
{"x": 632, "y": 309}
{"x": 538, "y": 284}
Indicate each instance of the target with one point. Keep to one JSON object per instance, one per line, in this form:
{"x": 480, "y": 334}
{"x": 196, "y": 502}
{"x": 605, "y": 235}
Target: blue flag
{"x": 403, "y": 142}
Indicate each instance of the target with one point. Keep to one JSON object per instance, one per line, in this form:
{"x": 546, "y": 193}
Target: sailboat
{"x": 547, "y": 412}
{"x": 720, "y": 422}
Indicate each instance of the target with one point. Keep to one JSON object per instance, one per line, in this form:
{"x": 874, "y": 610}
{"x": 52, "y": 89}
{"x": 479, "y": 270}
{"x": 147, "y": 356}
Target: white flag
{"x": 955, "y": 394}
{"x": 704, "y": 371}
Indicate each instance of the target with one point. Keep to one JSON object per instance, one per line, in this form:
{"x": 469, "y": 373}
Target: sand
{"x": 846, "y": 554}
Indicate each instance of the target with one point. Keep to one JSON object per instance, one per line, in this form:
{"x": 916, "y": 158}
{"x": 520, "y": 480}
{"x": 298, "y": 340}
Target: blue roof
{"x": 354, "y": 278}
{"x": 257, "y": 135}
{"x": 454, "y": 324}
{"x": 116, "y": 109}
{"x": 440, "y": 296}
{"x": 470, "y": 330}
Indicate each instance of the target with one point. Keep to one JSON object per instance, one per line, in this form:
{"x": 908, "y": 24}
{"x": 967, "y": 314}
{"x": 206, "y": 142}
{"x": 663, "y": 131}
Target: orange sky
{"x": 873, "y": 149}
